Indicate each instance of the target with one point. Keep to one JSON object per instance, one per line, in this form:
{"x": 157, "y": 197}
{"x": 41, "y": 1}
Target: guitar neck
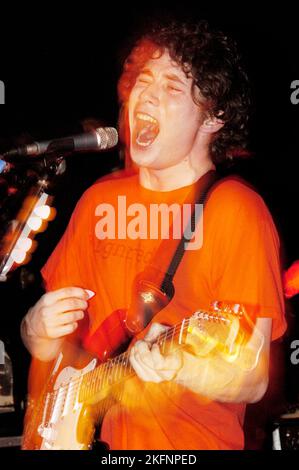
{"x": 118, "y": 369}
{"x": 205, "y": 330}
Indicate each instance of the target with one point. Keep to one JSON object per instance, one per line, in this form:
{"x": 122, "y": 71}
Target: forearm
{"x": 41, "y": 348}
{"x": 220, "y": 380}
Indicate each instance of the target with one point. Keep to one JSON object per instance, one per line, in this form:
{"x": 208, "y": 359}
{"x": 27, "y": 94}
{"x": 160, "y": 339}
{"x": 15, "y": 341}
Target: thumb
{"x": 155, "y": 330}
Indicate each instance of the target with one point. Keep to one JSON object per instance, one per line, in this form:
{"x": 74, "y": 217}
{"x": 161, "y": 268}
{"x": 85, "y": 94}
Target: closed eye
{"x": 174, "y": 89}
{"x": 143, "y": 80}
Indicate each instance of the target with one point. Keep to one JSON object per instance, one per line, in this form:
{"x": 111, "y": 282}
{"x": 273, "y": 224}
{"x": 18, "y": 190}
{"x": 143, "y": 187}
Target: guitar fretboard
{"x": 119, "y": 368}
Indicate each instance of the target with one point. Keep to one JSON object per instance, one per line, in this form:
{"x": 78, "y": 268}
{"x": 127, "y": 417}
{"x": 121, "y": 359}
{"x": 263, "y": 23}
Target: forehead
{"x": 163, "y": 64}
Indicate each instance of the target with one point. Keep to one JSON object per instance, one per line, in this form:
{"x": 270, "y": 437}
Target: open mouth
{"x": 146, "y": 129}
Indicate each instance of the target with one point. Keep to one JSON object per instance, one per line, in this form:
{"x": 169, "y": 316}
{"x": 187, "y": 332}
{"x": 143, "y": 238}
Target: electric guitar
{"x": 74, "y": 400}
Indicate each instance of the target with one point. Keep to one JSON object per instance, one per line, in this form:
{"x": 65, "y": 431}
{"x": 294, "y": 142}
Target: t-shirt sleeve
{"x": 246, "y": 255}
{"x": 67, "y": 264}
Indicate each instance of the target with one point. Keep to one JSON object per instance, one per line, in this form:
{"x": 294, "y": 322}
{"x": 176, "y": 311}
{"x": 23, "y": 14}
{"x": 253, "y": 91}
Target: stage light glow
{"x": 18, "y": 255}
{"x": 34, "y": 223}
{"x": 43, "y": 211}
{"x": 24, "y": 244}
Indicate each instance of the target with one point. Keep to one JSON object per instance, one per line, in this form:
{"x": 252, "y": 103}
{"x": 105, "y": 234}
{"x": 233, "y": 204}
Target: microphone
{"x": 102, "y": 138}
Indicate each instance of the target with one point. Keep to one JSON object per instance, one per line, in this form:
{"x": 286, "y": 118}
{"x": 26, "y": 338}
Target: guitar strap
{"x": 153, "y": 288}
{"x": 203, "y": 188}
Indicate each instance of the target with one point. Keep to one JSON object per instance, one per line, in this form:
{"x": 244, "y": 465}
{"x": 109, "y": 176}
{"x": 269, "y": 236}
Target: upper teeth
{"x": 146, "y": 117}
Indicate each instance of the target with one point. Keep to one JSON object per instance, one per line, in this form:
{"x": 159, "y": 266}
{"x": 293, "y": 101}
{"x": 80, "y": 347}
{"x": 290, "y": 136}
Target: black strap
{"x": 204, "y": 185}
{"x": 155, "y": 283}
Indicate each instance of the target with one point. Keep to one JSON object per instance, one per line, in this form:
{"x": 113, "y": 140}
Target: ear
{"x": 211, "y": 125}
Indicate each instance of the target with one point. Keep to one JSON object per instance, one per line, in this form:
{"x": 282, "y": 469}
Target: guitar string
{"x": 93, "y": 375}
{"x": 106, "y": 367}
{"x": 92, "y": 384}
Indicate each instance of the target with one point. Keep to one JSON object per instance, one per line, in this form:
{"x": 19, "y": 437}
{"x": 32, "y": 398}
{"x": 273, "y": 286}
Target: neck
{"x": 177, "y": 176}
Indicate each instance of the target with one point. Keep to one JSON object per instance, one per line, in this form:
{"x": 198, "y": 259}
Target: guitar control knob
{"x": 216, "y": 305}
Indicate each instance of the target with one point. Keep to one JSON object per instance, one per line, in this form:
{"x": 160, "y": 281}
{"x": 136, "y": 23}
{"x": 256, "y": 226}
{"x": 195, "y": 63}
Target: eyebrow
{"x": 174, "y": 78}
{"x": 171, "y": 76}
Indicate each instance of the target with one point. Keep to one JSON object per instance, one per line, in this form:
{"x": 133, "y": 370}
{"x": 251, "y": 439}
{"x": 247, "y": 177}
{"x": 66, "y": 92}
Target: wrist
{"x": 27, "y": 326}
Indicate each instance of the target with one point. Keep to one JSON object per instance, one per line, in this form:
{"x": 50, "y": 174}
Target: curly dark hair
{"x": 211, "y": 59}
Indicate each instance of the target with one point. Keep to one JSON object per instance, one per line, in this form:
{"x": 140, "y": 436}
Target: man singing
{"x": 184, "y": 101}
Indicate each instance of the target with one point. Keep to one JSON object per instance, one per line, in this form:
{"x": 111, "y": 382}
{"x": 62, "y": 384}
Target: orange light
{"x": 43, "y": 211}
{"x": 291, "y": 280}
{"x": 18, "y": 255}
{"x": 34, "y": 223}
{"x": 24, "y": 244}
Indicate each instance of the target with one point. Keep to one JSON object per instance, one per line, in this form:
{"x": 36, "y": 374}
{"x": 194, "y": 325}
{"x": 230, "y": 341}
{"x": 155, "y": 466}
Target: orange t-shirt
{"x": 238, "y": 262}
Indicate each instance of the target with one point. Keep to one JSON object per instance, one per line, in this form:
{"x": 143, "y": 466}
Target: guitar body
{"x": 55, "y": 419}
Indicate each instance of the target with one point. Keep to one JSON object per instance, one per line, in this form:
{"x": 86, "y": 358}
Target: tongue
{"x": 146, "y": 134}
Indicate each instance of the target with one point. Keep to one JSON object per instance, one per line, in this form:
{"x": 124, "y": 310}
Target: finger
{"x": 166, "y": 366}
{"x": 69, "y": 317}
{"x": 142, "y": 353}
{"x": 65, "y": 305}
{"x": 66, "y": 292}
{"x": 157, "y": 358}
{"x": 63, "y": 330}
{"x": 167, "y": 375}
{"x": 145, "y": 373}
{"x": 151, "y": 366}
{"x": 155, "y": 330}
{"x": 173, "y": 361}
{"x": 141, "y": 346}
{"x": 152, "y": 358}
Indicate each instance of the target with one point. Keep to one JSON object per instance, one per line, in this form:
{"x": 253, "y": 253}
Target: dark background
{"x": 60, "y": 69}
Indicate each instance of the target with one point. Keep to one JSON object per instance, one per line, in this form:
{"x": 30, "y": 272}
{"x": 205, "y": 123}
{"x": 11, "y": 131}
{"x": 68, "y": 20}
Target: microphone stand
{"x": 49, "y": 167}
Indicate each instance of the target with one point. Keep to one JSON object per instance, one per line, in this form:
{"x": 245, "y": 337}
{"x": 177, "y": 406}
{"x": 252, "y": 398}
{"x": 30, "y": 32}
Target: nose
{"x": 151, "y": 94}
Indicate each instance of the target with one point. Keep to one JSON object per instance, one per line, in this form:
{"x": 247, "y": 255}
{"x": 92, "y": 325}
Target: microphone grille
{"x": 107, "y": 137}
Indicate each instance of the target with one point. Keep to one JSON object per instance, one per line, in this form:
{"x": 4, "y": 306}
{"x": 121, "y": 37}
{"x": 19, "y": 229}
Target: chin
{"x": 143, "y": 156}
